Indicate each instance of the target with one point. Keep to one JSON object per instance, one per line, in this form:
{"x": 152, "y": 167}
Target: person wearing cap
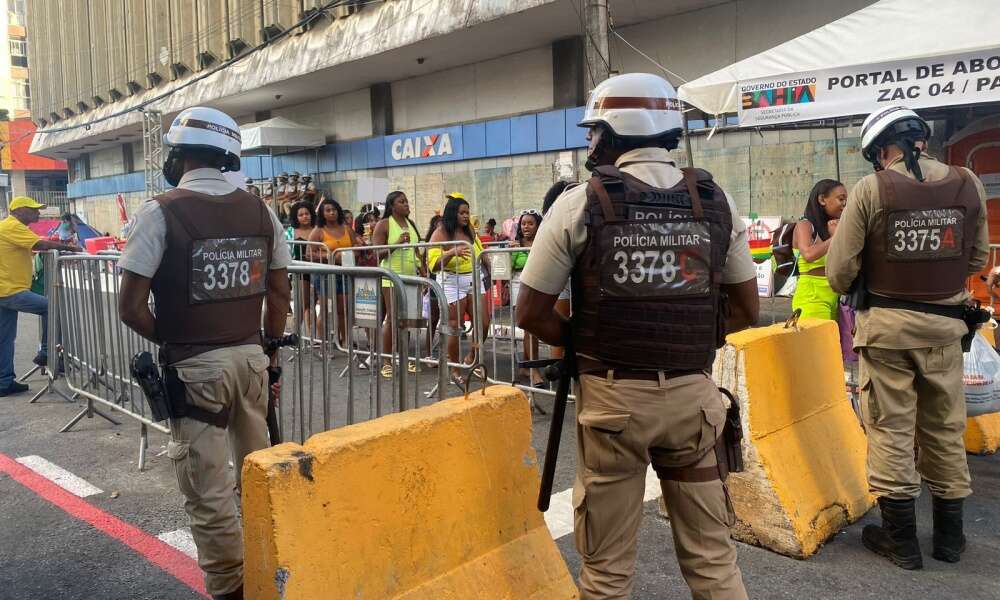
{"x": 253, "y": 189}
{"x": 213, "y": 256}
{"x": 655, "y": 290}
{"x": 294, "y": 190}
{"x": 17, "y": 242}
{"x": 282, "y": 198}
{"x": 307, "y": 190}
{"x": 912, "y": 232}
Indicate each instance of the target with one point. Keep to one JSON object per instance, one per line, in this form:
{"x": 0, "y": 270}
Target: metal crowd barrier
{"x": 505, "y": 333}
{"x": 49, "y": 371}
{"x": 96, "y": 345}
{"x": 438, "y": 285}
{"x": 307, "y": 403}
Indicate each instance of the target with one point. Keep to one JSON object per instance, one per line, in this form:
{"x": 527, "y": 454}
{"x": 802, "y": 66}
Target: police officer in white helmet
{"x": 212, "y": 255}
{"x": 661, "y": 271}
{"x": 910, "y": 235}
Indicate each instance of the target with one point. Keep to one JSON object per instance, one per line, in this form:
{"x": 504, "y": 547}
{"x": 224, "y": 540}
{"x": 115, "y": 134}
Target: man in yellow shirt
{"x": 16, "y": 244}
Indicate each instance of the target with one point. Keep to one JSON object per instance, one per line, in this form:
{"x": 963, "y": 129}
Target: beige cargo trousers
{"x": 914, "y": 395}
{"x": 623, "y": 425}
{"x": 236, "y": 378}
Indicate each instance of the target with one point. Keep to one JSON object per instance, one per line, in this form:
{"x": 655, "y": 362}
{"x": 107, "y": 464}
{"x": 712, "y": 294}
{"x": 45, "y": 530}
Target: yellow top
{"x": 16, "y": 241}
{"x": 455, "y": 264}
{"x": 805, "y": 266}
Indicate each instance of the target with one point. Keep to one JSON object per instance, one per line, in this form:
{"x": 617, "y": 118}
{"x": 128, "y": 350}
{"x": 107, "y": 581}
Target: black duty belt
{"x": 954, "y": 311}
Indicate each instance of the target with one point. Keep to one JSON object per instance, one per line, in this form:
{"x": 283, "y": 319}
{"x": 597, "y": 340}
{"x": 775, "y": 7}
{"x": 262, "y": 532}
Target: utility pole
{"x": 597, "y": 47}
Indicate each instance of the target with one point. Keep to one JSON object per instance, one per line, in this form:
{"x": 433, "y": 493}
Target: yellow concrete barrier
{"x": 437, "y": 502}
{"x": 982, "y": 434}
{"x": 803, "y": 446}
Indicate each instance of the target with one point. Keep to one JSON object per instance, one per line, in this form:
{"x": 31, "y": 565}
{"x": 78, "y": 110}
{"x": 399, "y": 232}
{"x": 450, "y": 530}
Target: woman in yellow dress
{"x": 812, "y": 237}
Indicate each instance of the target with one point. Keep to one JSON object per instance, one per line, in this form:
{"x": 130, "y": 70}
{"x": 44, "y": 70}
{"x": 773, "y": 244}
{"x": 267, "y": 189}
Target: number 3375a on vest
{"x": 656, "y": 259}
{"x": 925, "y": 235}
{"x": 227, "y": 269}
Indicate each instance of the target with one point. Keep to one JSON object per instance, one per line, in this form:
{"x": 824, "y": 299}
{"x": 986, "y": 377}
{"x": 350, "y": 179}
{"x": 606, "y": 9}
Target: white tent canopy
{"x": 279, "y": 132}
{"x": 920, "y": 53}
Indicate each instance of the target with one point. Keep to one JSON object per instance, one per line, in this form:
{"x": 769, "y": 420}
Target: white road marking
{"x": 559, "y": 517}
{"x": 60, "y": 476}
{"x": 182, "y": 540}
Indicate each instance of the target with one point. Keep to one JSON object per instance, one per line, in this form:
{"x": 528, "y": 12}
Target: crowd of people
{"x": 321, "y": 230}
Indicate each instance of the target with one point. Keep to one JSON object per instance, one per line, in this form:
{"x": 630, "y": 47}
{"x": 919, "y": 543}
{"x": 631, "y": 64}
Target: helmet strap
{"x": 911, "y": 156}
{"x": 173, "y": 167}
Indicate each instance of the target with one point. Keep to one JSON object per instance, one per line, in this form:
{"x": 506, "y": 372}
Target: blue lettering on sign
{"x": 418, "y": 147}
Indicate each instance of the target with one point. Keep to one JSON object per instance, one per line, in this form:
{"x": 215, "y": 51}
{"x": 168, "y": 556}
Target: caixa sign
{"x": 420, "y": 147}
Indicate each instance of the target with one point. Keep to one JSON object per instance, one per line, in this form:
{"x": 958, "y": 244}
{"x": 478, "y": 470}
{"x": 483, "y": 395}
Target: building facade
{"x": 426, "y": 96}
{"x": 20, "y": 172}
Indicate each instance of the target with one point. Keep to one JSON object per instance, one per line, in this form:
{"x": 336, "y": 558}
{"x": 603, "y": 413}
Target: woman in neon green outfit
{"x": 396, "y": 227}
{"x": 812, "y": 236}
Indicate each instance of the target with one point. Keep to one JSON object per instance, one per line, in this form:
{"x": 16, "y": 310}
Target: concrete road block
{"x": 437, "y": 502}
{"x": 982, "y": 434}
{"x": 804, "y": 448}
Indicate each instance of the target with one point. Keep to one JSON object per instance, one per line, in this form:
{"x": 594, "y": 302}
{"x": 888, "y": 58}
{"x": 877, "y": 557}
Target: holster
{"x": 974, "y": 316}
{"x": 180, "y": 408}
{"x": 147, "y": 375}
{"x": 728, "y": 452}
{"x": 857, "y": 296}
{"x": 732, "y": 435}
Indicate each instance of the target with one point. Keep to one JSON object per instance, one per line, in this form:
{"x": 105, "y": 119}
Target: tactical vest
{"x": 210, "y": 285}
{"x": 646, "y": 288}
{"x": 921, "y": 242}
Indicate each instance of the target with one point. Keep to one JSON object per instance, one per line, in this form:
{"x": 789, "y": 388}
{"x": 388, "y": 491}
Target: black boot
{"x": 949, "y": 541}
{"x": 236, "y": 594}
{"x": 896, "y": 539}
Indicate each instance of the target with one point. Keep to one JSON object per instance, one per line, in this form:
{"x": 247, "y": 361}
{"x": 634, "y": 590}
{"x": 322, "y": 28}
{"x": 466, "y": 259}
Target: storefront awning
{"x": 920, "y": 53}
{"x": 279, "y": 132}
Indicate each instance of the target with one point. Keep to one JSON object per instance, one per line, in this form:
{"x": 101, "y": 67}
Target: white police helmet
{"x": 888, "y": 124}
{"x": 635, "y": 105}
{"x": 206, "y": 128}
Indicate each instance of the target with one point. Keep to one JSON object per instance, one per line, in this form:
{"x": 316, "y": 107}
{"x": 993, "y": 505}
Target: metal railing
{"x": 97, "y": 346}
{"x": 505, "y": 333}
{"x": 370, "y": 358}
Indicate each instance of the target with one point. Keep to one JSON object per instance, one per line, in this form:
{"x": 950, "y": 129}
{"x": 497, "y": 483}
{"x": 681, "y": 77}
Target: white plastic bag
{"x": 981, "y": 375}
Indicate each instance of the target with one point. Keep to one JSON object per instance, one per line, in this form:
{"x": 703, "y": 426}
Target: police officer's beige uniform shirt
{"x": 147, "y": 239}
{"x": 885, "y": 327}
{"x": 563, "y": 235}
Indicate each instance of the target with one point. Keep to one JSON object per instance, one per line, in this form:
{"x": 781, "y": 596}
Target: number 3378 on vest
{"x": 227, "y": 269}
{"x": 655, "y": 259}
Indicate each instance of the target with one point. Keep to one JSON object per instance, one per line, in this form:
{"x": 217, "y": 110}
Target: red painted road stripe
{"x": 164, "y": 556}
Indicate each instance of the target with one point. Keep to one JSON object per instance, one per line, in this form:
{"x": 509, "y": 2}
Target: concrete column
{"x": 568, "y": 73}
{"x": 598, "y": 49}
{"x": 18, "y": 183}
{"x": 381, "y": 103}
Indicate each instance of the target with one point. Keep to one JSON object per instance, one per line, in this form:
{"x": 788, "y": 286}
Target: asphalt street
{"x": 47, "y": 553}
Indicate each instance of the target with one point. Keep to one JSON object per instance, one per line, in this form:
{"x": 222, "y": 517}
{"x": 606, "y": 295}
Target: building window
{"x": 19, "y": 53}
{"x": 17, "y": 11}
{"x": 22, "y": 94}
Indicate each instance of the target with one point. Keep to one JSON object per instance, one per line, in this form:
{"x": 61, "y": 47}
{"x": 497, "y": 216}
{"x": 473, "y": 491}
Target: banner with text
{"x": 968, "y": 78}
